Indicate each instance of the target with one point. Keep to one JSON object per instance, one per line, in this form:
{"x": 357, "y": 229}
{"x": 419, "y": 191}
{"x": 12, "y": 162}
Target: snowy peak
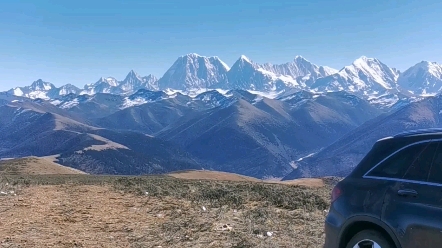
{"x": 132, "y": 82}
{"x": 374, "y": 72}
{"x": 424, "y": 78}
{"x": 193, "y": 71}
{"x": 304, "y": 68}
{"x": 41, "y": 85}
{"x": 244, "y": 59}
{"x": 107, "y": 80}
{"x": 38, "y": 89}
{"x": 68, "y": 89}
{"x": 133, "y": 76}
{"x": 299, "y": 58}
{"x": 150, "y": 78}
{"x": 150, "y": 82}
{"x": 103, "y": 85}
{"x": 366, "y": 76}
{"x": 300, "y": 73}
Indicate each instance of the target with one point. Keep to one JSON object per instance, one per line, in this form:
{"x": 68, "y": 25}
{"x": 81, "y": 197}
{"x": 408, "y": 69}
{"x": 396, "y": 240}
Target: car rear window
{"x": 411, "y": 163}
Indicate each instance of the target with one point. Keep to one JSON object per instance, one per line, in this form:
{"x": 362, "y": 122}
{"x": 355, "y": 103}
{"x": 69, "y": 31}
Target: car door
{"x": 410, "y": 203}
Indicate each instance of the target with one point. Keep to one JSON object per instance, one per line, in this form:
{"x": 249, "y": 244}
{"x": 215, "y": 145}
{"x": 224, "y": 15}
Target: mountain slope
{"x": 26, "y": 132}
{"x": 340, "y": 157}
{"x": 147, "y": 118}
{"x": 263, "y": 137}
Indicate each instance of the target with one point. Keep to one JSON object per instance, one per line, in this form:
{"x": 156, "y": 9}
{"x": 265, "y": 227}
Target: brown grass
{"x": 211, "y": 175}
{"x": 225, "y": 176}
{"x": 308, "y": 182}
{"x": 159, "y": 211}
{"x": 35, "y": 166}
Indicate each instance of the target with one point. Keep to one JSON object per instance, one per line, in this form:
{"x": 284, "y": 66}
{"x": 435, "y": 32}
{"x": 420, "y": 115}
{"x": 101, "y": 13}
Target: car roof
{"x": 426, "y": 131}
{"x": 422, "y": 134}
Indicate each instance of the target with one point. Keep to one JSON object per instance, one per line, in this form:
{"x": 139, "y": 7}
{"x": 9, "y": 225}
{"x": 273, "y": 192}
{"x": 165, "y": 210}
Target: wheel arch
{"x": 358, "y": 223}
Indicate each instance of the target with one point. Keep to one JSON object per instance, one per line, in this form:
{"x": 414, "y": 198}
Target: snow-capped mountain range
{"x": 366, "y": 77}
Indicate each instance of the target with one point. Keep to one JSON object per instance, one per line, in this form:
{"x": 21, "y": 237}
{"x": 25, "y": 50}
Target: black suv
{"x": 392, "y": 198}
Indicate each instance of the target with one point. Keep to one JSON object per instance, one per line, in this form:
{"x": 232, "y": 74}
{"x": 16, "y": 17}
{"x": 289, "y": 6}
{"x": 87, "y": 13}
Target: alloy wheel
{"x": 367, "y": 243}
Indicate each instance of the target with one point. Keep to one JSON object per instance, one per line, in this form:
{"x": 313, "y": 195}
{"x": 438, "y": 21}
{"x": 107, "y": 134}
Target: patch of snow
{"x": 244, "y": 57}
{"x": 311, "y": 154}
{"x": 38, "y": 94}
{"x": 70, "y": 104}
{"x": 18, "y": 92}
{"x": 56, "y": 102}
{"x": 271, "y": 94}
{"x": 131, "y": 103}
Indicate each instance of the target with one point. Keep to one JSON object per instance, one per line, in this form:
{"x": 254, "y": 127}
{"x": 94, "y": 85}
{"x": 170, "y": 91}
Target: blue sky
{"x": 79, "y": 41}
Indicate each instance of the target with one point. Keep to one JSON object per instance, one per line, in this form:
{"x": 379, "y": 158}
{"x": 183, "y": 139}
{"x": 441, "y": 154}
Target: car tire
{"x": 369, "y": 236}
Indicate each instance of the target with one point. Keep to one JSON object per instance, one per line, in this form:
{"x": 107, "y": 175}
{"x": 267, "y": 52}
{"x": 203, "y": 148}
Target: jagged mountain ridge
{"x": 368, "y": 78}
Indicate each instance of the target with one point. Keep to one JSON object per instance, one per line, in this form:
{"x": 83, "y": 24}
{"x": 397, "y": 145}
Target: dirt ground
{"x": 44, "y": 204}
{"x": 73, "y": 215}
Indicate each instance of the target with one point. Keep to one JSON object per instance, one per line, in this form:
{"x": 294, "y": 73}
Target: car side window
{"x": 435, "y": 175}
{"x": 409, "y": 162}
{"x": 419, "y": 169}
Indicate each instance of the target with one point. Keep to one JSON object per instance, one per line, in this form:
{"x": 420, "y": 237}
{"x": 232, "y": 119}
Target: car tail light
{"x": 336, "y": 192}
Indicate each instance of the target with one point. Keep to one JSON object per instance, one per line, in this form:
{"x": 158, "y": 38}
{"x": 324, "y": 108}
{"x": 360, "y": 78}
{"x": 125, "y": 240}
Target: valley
{"x": 269, "y": 122}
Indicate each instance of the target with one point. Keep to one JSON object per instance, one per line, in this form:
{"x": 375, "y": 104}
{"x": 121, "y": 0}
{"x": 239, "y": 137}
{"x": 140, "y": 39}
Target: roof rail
{"x": 419, "y": 131}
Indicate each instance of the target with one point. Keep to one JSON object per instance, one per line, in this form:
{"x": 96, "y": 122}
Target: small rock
{"x": 226, "y": 227}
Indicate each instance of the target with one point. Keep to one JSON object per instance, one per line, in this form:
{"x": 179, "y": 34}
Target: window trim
{"x": 404, "y": 180}
{"x": 400, "y": 179}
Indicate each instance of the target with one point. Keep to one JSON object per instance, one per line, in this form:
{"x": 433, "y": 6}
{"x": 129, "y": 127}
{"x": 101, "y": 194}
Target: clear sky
{"x": 65, "y": 41}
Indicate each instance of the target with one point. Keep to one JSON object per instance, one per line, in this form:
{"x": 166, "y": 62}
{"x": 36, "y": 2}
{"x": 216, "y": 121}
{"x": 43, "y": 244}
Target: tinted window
{"x": 412, "y": 163}
{"x": 419, "y": 168}
{"x": 436, "y": 167}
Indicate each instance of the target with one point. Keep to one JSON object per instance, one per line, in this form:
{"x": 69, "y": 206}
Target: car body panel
{"x": 417, "y": 219}
{"x": 361, "y": 200}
